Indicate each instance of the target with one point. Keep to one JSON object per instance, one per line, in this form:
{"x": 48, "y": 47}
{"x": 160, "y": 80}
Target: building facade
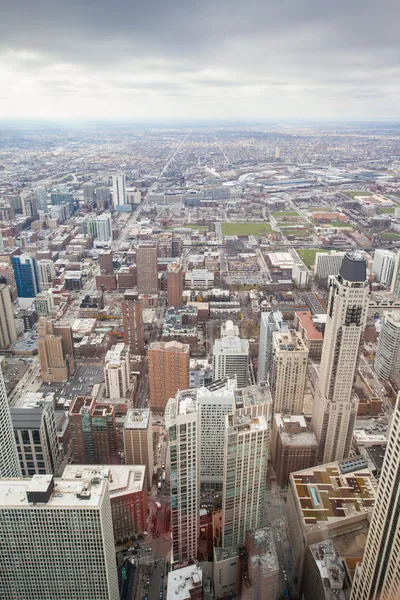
{"x": 26, "y": 277}
{"x": 383, "y": 266}
{"x": 133, "y": 321}
{"x": 117, "y": 371}
{"x": 387, "y": 358}
{"x": 146, "y": 263}
{"x": 119, "y": 189}
{"x": 175, "y": 284}
{"x": 9, "y": 460}
{"x": 327, "y": 264}
{"x": 47, "y": 273}
{"x": 270, "y": 322}
{"x": 8, "y": 331}
{"x": 231, "y": 356}
{"x": 168, "y": 371}
{"x": 56, "y": 352}
{"x": 138, "y": 441}
{"x": 289, "y": 370}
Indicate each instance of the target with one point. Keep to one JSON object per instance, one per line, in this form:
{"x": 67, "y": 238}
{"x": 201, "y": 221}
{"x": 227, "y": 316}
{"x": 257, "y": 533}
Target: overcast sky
{"x": 154, "y": 59}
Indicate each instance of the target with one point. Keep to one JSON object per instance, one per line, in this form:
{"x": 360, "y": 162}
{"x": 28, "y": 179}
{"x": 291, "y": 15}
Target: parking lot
{"x": 85, "y": 377}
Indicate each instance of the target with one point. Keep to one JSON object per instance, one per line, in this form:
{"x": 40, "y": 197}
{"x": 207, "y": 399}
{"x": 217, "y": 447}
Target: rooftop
{"x": 264, "y": 554}
{"x": 170, "y": 347}
{"x": 309, "y": 327}
{"x": 116, "y": 354}
{"x": 253, "y": 395}
{"x": 137, "y": 418}
{"x": 221, "y": 554}
{"x": 244, "y": 423}
{"x": 289, "y": 341}
{"x": 293, "y": 430}
{"x": 122, "y": 479}
{"x": 181, "y": 581}
{"x": 353, "y": 268}
{"x": 330, "y": 569}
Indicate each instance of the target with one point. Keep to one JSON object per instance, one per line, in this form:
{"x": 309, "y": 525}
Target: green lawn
{"x": 257, "y": 229}
{"x": 352, "y": 194}
{"x": 390, "y": 236}
{"x": 295, "y": 232}
{"x": 388, "y": 210}
{"x": 308, "y": 255}
{"x": 194, "y": 226}
{"x": 285, "y": 213}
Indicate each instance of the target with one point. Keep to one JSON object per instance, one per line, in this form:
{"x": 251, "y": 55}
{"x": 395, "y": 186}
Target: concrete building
{"x": 300, "y": 276}
{"x": 175, "y": 284}
{"x": 89, "y": 192}
{"x": 128, "y": 494}
{"x": 26, "y": 277}
{"x": 199, "y": 279}
{"x": 168, "y": 371}
{"x": 270, "y": 322}
{"x": 293, "y": 446}
{"x": 261, "y": 576}
{"x": 185, "y": 583}
{"x": 68, "y": 526}
{"x": 93, "y": 432}
{"x": 9, "y": 461}
{"x": 117, "y": 371}
{"x": 35, "y": 429}
{"x": 8, "y": 331}
{"x": 146, "y": 263}
{"x": 289, "y": 370}
{"x": 327, "y": 264}
{"x": 383, "y": 266}
{"x": 387, "y": 358}
{"x": 119, "y": 190}
{"x": 106, "y": 262}
{"x": 231, "y": 356}
{"x": 47, "y": 272}
{"x": 44, "y": 304}
{"x": 132, "y": 321}
{"x": 378, "y": 576}
{"x": 324, "y": 573}
{"x": 104, "y": 227}
{"x": 309, "y": 333}
{"x": 56, "y": 352}
{"x": 138, "y": 441}
{"x": 324, "y": 503}
{"x": 226, "y": 570}
{"x": 335, "y": 404}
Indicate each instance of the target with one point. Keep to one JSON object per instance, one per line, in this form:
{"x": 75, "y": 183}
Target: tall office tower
{"x": 35, "y": 431}
{"x": 104, "y": 227}
{"x": 1, "y": 242}
{"x": 245, "y": 474}
{"x": 26, "y": 277}
{"x": 289, "y": 370}
{"x": 93, "y": 432}
{"x": 9, "y": 461}
{"x": 46, "y": 272}
{"x": 103, "y": 193}
{"x": 119, "y": 189}
{"x": 387, "y": 358}
{"x": 8, "y": 331}
{"x": 89, "y": 225}
{"x": 175, "y": 284}
{"x": 41, "y": 198}
{"x": 117, "y": 371}
{"x": 383, "y": 266}
{"x": 270, "y": 322}
{"x": 55, "y": 349}
{"x": 335, "y": 404}
{"x": 231, "y": 355}
{"x": 168, "y": 371}
{"x": 327, "y": 264}
{"x": 67, "y": 525}
{"x": 29, "y": 207}
{"x": 65, "y": 332}
{"x": 395, "y": 287}
{"x": 89, "y": 192}
{"x": 138, "y": 441}
{"x": 277, "y": 152}
{"x": 146, "y": 263}
{"x": 133, "y": 321}
{"x": 378, "y": 576}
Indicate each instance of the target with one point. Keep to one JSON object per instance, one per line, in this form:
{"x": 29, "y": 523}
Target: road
{"x": 171, "y": 156}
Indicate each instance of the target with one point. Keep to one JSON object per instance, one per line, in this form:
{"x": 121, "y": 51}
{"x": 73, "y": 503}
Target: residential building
{"x": 9, "y": 460}
{"x": 324, "y": 573}
{"x": 327, "y": 264}
{"x": 289, "y": 370}
{"x": 270, "y": 322}
{"x": 168, "y": 372}
{"x": 8, "y": 331}
{"x": 26, "y": 277}
{"x": 56, "y": 351}
{"x": 44, "y": 303}
{"x": 383, "y": 266}
{"x": 106, "y": 262}
{"x": 133, "y": 321}
{"x": 225, "y": 573}
{"x": 387, "y": 358}
{"x": 89, "y": 192}
{"x": 128, "y": 494}
{"x": 119, "y": 190}
{"x": 93, "y": 432}
{"x": 300, "y": 276}
{"x": 41, "y": 198}
{"x": 335, "y": 404}
{"x": 146, "y": 264}
{"x": 186, "y": 583}
{"x": 175, "y": 284}
{"x": 68, "y": 526}
{"x": 311, "y": 336}
{"x": 293, "y": 446}
{"x": 395, "y": 287}
{"x": 378, "y": 576}
{"x": 46, "y": 272}
{"x": 138, "y": 441}
{"x": 104, "y": 227}
{"x": 117, "y": 371}
{"x": 261, "y": 576}
{"x": 231, "y": 355}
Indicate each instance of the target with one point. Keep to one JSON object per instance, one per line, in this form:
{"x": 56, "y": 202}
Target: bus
{"x": 163, "y": 476}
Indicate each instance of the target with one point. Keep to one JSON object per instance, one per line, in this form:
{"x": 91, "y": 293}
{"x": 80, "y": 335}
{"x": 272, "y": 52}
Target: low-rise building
{"x": 185, "y": 583}
{"x": 261, "y": 577}
{"x": 309, "y": 333}
{"x": 225, "y": 576}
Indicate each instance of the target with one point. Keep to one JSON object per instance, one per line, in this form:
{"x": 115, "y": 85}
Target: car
{"x": 155, "y": 564}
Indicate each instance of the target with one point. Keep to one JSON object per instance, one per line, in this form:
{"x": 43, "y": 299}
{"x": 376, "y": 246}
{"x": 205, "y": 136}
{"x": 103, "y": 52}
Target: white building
{"x": 378, "y": 576}
{"x": 395, "y": 288}
{"x": 383, "y": 266}
{"x": 197, "y": 279}
{"x": 119, "y": 189}
{"x": 8, "y": 331}
{"x": 387, "y": 358}
{"x": 289, "y": 370}
{"x": 335, "y": 405}
{"x": 327, "y": 263}
{"x": 185, "y": 583}
{"x": 270, "y": 322}
{"x": 231, "y": 356}
{"x": 44, "y": 303}
{"x": 104, "y": 227}
{"x": 68, "y": 524}
{"x": 9, "y": 462}
{"x": 117, "y": 371}
{"x": 47, "y": 272}
{"x": 300, "y": 276}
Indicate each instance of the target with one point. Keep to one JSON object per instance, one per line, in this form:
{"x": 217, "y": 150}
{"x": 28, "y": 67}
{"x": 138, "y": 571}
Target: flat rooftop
{"x": 116, "y": 354}
{"x": 137, "y": 418}
{"x": 265, "y": 554}
{"x": 309, "y": 327}
{"x": 181, "y": 581}
{"x": 253, "y": 395}
{"x": 288, "y": 341}
{"x": 221, "y": 554}
{"x": 122, "y": 479}
{"x": 245, "y": 423}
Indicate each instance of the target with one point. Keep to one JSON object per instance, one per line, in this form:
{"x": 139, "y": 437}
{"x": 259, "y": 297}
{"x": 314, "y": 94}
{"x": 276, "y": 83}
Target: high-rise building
{"x": 231, "y": 355}
{"x": 103, "y": 193}
{"x": 41, "y": 198}
{"x": 383, "y": 266}
{"x": 378, "y": 576}
{"x": 117, "y": 371}
{"x": 8, "y": 331}
{"x": 89, "y": 192}
{"x": 68, "y": 525}
{"x": 387, "y": 358}
{"x": 29, "y": 206}
{"x": 104, "y": 227}
{"x": 56, "y": 352}
{"x": 9, "y": 461}
{"x": 327, "y": 263}
{"x": 175, "y": 284}
{"x": 44, "y": 303}
{"x": 277, "y": 152}
{"x": 93, "y": 432}
{"x": 395, "y": 287}
{"x": 106, "y": 262}
{"x": 335, "y": 404}
{"x": 26, "y": 277}
{"x": 138, "y": 440}
{"x": 168, "y": 371}
{"x": 261, "y": 576}
{"x": 119, "y": 189}
{"x": 146, "y": 264}
{"x": 132, "y": 321}
{"x": 46, "y": 272}
{"x": 309, "y": 333}
{"x": 1, "y": 242}
{"x": 289, "y": 370}
{"x": 270, "y": 322}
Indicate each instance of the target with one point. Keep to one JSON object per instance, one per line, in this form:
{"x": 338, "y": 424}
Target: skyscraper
{"x": 104, "y": 227}
{"x": 383, "y": 266}
{"x": 138, "y": 441}
{"x": 117, "y": 371}
{"x": 270, "y": 322}
{"x": 395, "y": 287}
{"x": 47, "y": 273}
{"x": 26, "y": 277}
{"x": 387, "y": 358}
{"x": 231, "y": 355}
{"x": 146, "y": 265}
{"x": 378, "y": 576}
{"x": 335, "y": 404}
{"x": 119, "y": 189}
{"x": 132, "y": 321}
{"x": 89, "y": 192}
{"x": 289, "y": 370}
{"x": 55, "y": 349}
{"x": 174, "y": 284}
{"x": 8, "y": 331}
{"x": 9, "y": 461}
{"x": 327, "y": 264}
{"x": 168, "y": 372}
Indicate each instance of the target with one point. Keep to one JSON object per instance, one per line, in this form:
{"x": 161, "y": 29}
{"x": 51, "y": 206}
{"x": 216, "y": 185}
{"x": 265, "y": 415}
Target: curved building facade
{"x": 387, "y": 359}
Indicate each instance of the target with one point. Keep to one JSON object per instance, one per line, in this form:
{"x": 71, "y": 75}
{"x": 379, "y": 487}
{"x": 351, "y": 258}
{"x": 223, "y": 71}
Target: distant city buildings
{"x": 327, "y": 264}
{"x": 387, "y": 358}
{"x": 133, "y": 321}
{"x": 56, "y": 351}
{"x": 26, "y": 278}
{"x": 383, "y": 266}
{"x": 119, "y": 190}
{"x": 231, "y": 355}
{"x": 175, "y": 284}
{"x": 146, "y": 263}
{"x": 270, "y": 322}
